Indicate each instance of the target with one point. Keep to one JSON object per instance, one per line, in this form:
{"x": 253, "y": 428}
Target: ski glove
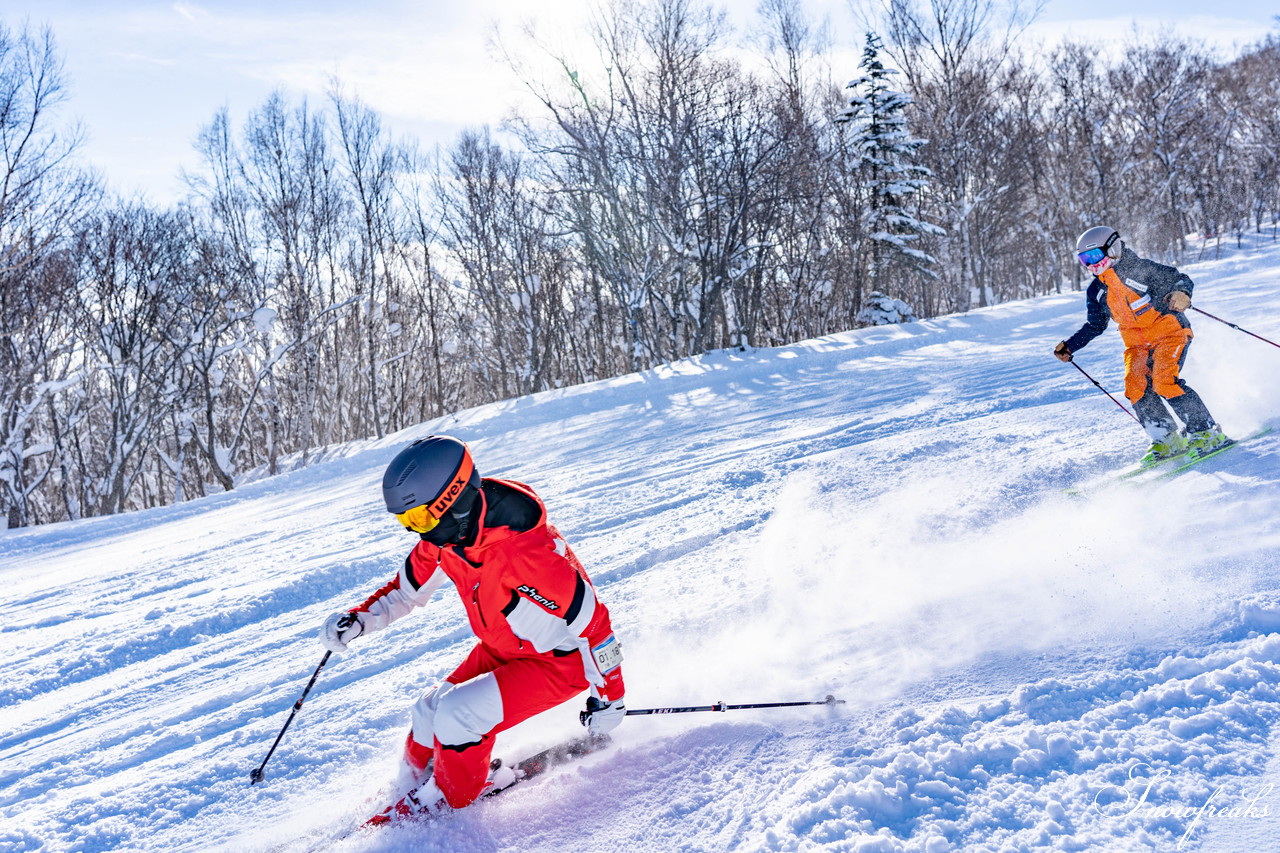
{"x": 1062, "y": 352}
{"x": 1179, "y": 301}
{"x": 602, "y": 717}
{"x": 340, "y": 629}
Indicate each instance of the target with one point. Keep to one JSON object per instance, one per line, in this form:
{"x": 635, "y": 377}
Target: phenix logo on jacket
{"x": 525, "y": 592}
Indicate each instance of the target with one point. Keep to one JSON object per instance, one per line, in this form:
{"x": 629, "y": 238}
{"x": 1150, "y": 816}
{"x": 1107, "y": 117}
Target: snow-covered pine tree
{"x": 886, "y": 162}
{"x": 879, "y": 309}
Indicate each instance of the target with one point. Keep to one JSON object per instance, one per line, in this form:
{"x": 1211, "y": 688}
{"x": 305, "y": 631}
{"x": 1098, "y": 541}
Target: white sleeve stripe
{"x": 586, "y": 612}
{"x": 386, "y": 609}
{"x": 589, "y": 667}
{"x": 534, "y": 625}
{"x": 421, "y": 594}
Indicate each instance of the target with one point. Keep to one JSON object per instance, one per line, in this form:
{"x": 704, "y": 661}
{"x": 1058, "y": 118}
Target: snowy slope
{"x": 879, "y": 514}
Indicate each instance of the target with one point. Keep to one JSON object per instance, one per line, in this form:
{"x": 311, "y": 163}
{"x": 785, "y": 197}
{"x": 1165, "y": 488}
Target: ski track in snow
{"x": 878, "y": 514}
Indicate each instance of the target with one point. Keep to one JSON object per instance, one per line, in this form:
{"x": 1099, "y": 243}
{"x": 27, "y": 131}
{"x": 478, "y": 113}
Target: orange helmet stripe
{"x": 449, "y": 496}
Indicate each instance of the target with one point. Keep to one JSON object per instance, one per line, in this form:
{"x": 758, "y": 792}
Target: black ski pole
{"x": 1105, "y": 391}
{"x": 1234, "y": 326}
{"x": 256, "y": 776}
{"x": 721, "y": 706}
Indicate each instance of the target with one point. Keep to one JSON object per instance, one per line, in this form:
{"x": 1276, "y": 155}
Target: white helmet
{"x": 1100, "y": 241}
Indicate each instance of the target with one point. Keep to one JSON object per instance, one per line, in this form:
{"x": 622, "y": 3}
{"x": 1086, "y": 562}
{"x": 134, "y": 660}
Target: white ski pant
{"x": 458, "y": 715}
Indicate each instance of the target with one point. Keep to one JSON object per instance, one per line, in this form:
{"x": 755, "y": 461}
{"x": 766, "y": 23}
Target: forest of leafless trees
{"x": 324, "y": 281}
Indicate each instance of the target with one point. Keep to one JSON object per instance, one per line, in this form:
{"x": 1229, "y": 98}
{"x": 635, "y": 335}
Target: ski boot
{"x": 1168, "y": 447}
{"x": 500, "y": 776}
{"x": 425, "y": 801}
{"x": 1201, "y": 444}
{"x": 421, "y": 804}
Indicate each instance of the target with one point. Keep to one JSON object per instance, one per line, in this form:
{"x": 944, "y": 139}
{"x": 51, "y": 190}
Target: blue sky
{"x": 146, "y": 74}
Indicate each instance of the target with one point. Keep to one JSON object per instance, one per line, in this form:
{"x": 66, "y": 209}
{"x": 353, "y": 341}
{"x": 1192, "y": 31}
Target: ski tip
{"x": 400, "y": 815}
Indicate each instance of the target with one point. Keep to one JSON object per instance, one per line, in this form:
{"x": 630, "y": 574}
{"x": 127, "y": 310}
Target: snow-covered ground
{"x": 880, "y": 515}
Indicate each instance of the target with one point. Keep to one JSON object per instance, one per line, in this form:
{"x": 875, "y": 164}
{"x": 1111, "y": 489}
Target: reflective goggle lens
{"x": 1089, "y": 257}
{"x": 418, "y": 519}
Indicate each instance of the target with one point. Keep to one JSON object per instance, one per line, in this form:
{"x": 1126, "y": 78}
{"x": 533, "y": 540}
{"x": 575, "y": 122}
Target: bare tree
{"x": 799, "y": 278}
{"x": 42, "y": 196}
{"x": 132, "y": 273}
{"x": 1159, "y": 100}
{"x": 275, "y": 202}
{"x": 372, "y": 166}
{"x": 427, "y": 364}
{"x": 1246, "y": 94}
{"x": 589, "y": 164}
{"x": 289, "y": 173}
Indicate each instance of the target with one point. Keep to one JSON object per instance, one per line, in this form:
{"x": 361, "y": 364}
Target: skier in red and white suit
{"x": 544, "y": 636}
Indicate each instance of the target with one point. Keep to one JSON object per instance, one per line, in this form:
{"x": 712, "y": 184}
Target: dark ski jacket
{"x": 1156, "y": 280}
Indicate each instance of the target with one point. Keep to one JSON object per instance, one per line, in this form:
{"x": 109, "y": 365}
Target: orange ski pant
{"x": 1155, "y": 364}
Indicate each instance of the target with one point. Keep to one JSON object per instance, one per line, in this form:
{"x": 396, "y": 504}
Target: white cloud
{"x": 189, "y": 11}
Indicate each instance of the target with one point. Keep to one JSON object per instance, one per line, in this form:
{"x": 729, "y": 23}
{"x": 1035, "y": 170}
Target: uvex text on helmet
{"x": 1102, "y": 237}
{"x": 433, "y": 471}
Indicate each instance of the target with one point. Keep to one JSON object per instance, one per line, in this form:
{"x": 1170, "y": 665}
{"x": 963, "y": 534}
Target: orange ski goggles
{"x": 419, "y": 519}
{"x": 424, "y": 517}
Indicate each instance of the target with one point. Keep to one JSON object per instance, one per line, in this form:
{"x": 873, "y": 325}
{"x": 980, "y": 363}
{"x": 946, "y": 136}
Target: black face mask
{"x": 457, "y": 526}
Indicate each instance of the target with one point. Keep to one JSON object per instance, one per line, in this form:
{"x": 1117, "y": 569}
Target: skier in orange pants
{"x": 1147, "y": 301}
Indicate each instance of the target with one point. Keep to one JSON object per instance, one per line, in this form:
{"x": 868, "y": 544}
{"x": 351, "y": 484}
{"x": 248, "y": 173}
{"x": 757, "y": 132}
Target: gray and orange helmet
{"x": 427, "y": 479}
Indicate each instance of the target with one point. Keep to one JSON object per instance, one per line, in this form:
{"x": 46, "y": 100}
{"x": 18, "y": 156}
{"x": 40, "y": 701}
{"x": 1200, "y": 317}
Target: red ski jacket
{"x": 525, "y": 592}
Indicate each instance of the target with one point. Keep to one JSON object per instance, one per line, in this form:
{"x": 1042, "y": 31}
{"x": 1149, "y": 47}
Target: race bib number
{"x": 608, "y": 655}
